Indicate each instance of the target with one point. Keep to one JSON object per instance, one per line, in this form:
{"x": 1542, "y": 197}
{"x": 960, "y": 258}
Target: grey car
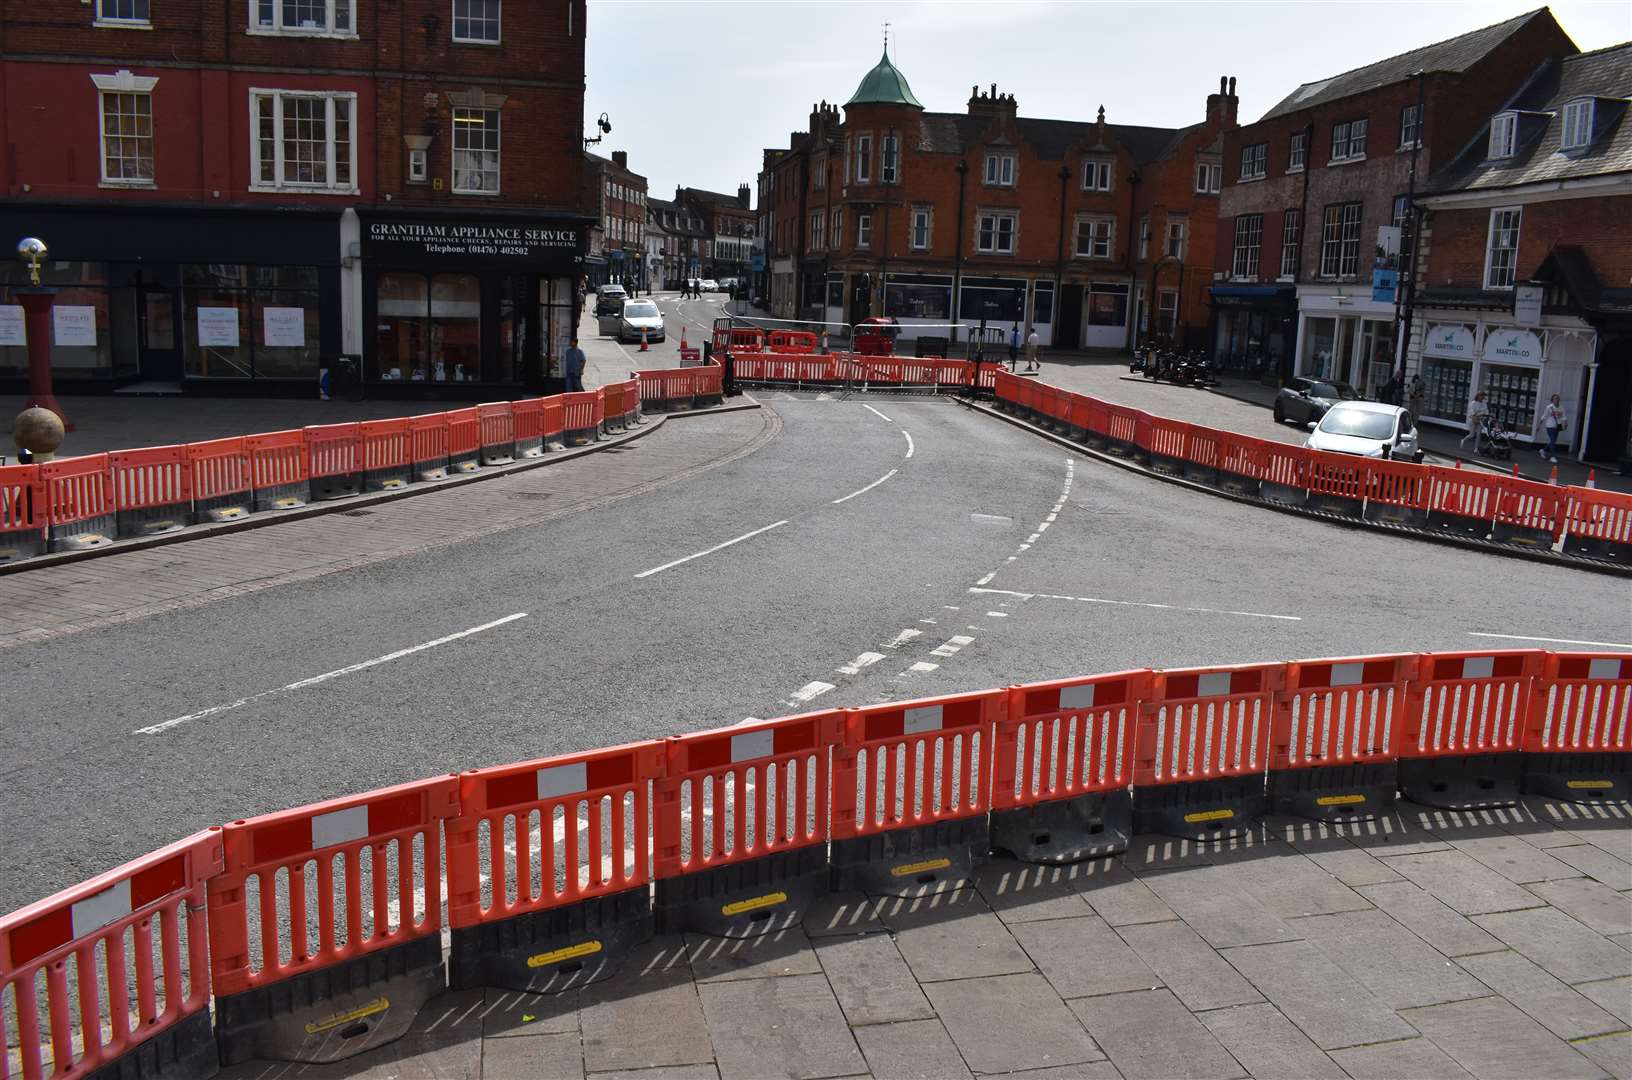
{"x": 1302, "y": 400}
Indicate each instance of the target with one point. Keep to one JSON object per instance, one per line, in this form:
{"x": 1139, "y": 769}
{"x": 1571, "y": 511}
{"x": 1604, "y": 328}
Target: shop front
{"x": 1254, "y": 328}
{"x": 180, "y": 300}
{"x": 465, "y": 303}
{"x": 1346, "y": 338}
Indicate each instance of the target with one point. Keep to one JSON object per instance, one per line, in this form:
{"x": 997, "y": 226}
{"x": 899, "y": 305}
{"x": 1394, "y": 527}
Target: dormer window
{"x": 1096, "y": 175}
{"x": 1577, "y": 130}
{"x": 1504, "y": 128}
{"x": 1000, "y": 170}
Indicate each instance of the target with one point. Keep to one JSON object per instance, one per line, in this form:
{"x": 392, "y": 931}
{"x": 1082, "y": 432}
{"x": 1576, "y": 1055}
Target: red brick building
{"x": 615, "y": 196}
{"x": 1308, "y": 186}
{"x": 942, "y": 218}
{"x": 237, "y": 194}
{"x": 1525, "y": 282}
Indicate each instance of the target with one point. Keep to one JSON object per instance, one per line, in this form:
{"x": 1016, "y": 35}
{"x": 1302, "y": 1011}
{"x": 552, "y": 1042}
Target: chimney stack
{"x": 744, "y": 197}
{"x": 1221, "y": 107}
{"x": 620, "y": 158}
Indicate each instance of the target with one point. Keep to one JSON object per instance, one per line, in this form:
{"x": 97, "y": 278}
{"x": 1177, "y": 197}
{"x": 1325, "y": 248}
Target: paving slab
{"x": 1596, "y": 863}
{"x": 953, "y": 936}
{"x": 1317, "y": 995}
{"x": 1351, "y": 865}
{"x": 1612, "y": 1053}
{"x": 1461, "y": 882}
{"x": 1220, "y": 911}
{"x": 1020, "y": 893}
{"x": 1558, "y": 943}
{"x": 1082, "y": 957}
{"x": 1614, "y": 996}
{"x": 1392, "y": 833}
{"x": 1418, "y": 1059}
{"x": 1417, "y": 910}
{"x": 1268, "y": 1045}
{"x": 1085, "y": 1070}
{"x": 1007, "y": 1023}
{"x": 1401, "y": 969}
{"x": 555, "y": 1056}
{"x": 677, "y": 1072}
{"x": 842, "y": 914}
{"x": 648, "y": 1015}
{"x": 1289, "y": 885}
{"x": 1149, "y": 1035}
{"x": 1589, "y": 902}
{"x": 515, "y": 1012}
{"x": 1122, "y": 899}
{"x": 1491, "y": 1038}
{"x": 1556, "y": 1007}
{"x": 1188, "y": 966}
{"x": 914, "y": 1050}
{"x": 797, "y": 1015}
{"x": 784, "y": 952}
{"x": 871, "y": 981}
{"x": 1515, "y": 859}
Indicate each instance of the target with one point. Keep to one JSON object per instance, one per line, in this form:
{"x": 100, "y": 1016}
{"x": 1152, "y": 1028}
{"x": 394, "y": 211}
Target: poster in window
{"x": 218, "y": 327}
{"x": 284, "y": 327}
{"x": 73, "y": 326}
{"x": 12, "y": 328}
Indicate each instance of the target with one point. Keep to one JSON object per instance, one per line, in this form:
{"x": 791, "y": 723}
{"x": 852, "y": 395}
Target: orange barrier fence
{"x": 222, "y": 485}
{"x": 464, "y": 440}
{"x": 384, "y": 453}
{"x": 278, "y": 469}
{"x": 23, "y": 512}
{"x": 333, "y": 460}
{"x": 497, "y": 426}
{"x": 677, "y": 389}
{"x": 319, "y": 930}
{"x": 152, "y": 489}
{"x": 79, "y": 501}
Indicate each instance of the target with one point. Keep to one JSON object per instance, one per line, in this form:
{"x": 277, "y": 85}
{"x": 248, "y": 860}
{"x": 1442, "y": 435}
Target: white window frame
{"x": 1504, "y": 136}
{"x": 1183, "y": 237}
{"x": 1335, "y": 247}
{"x": 818, "y": 175}
{"x": 1100, "y": 234}
{"x": 864, "y": 159}
{"x": 419, "y": 166}
{"x": 996, "y": 216}
{"x": 102, "y": 97}
{"x": 1247, "y": 251}
{"x": 864, "y": 230}
{"x": 1575, "y": 124}
{"x": 1254, "y": 161}
{"x": 1291, "y": 240}
{"x": 921, "y": 214}
{"x": 1098, "y": 174}
{"x": 999, "y": 162}
{"x": 123, "y": 82}
{"x": 1144, "y": 237}
{"x": 1411, "y": 126}
{"x": 104, "y": 19}
{"x": 817, "y": 230}
{"x": 1209, "y": 177}
{"x": 837, "y": 226}
{"x": 498, "y": 153}
{"x": 278, "y": 183}
{"x": 1163, "y": 309}
{"x": 1353, "y": 132}
{"x": 331, "y": 9}
{"x": 498, "y": 20}
{"x": 1503, "y": 219}
{"x": 889, "y": 160}
{"x": 1297, "y": 152}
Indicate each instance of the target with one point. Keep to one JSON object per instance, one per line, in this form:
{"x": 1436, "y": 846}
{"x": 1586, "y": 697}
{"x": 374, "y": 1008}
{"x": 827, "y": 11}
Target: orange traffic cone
{"x": 1592, "y": 478}
{"x": 1515, "y": 468}
{"x": 643, "y": 347}
{"x": 683, "y": 339}
{"x": 1553, "y": 479}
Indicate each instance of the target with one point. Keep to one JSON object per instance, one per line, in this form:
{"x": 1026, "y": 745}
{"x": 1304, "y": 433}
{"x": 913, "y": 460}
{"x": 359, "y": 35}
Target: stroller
{"x": 1495, "y": 435}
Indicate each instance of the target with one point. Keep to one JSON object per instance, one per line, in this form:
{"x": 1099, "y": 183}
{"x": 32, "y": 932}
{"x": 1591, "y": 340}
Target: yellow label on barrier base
{"x": 1339, "y": 800}
{"x": 919, "y": 867}
{"x": 571, "y": 952}
{"x": 744, "y": 906}
{"x": 1209, "y": 815}
{"x": 378, "y": 1005}
{"x": 1590, "y": 785}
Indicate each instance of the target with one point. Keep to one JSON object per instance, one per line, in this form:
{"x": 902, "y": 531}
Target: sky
{"x": 697, "y": 89}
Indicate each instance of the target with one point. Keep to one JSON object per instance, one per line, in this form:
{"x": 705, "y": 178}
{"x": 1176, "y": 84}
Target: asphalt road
{"x": 850, "y": 572}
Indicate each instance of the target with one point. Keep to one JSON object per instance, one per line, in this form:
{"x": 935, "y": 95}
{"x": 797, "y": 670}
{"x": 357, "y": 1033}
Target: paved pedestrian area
{"x": 1429, "y": 944}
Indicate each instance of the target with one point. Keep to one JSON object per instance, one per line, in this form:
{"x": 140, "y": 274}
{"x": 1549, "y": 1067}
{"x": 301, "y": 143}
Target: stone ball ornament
{"x": 38, "y": 430}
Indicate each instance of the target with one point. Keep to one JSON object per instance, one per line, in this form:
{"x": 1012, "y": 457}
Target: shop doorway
{"x": 1611, "y": 436}
{"x": 159, "y": 334}
{"x": 861, "y": 297}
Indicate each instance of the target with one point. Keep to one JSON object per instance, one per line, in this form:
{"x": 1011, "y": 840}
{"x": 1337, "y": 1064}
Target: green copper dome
{"x": 884, "y": 85}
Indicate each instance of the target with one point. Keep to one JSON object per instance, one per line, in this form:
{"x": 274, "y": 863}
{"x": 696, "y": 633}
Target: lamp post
{"x": 36, "y": 303}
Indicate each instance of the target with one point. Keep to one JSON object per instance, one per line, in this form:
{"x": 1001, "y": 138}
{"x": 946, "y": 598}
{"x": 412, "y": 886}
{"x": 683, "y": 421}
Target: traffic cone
{"x": 643, "y": 348}
{"x": 683, "y": 345}
{"x": 1515, "y": 468}
{"x": 1553, "y": 479}
{"x": 1592, "y": 478}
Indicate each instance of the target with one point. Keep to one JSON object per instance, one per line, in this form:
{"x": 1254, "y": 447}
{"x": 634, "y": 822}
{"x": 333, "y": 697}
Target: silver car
{"x": 1367, "y": 429}
{"x": 639, "y": 315}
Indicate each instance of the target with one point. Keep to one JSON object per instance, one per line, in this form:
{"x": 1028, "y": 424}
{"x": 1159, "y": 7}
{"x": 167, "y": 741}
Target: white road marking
{"x": 994, "y": 519}
{"x": 902, "y": 638}
{"x": 878, "y": 414}
{"x": 910, "y": 447}
{"x": 1556, "y": 640}
{"x": 997, "y": 614}
{"x": 868, "y": 488}
{"x": 1140, "y": 603}
{"x": 922, "y": 666}
{"x": 987, "y": 578}
{"x": 953, "y": 644}
{"x": 808, "y": 691}
{"x": 866, "y": 659}
{"x": 710, "y": 551}
{"x": 301, "y": 684}
{"x": 950, "y": 607}
{"x": 929, "y": 621}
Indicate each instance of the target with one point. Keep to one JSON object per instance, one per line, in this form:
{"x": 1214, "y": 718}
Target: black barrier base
{"x": 1067, "y": 831}
{"x": 82, "y": 535}
{"x": 581, "y": 437}
{"x": 464, "y": 463}
{"x": 1458, "y": 525}
{"x": 1579, "y": 778}
{"x": 1281, "y": 493}
{"x": 432, "y": 469}
{"x": 185, "y": 1051}
{"x": 1167, "y": 466}
{"x": 1334, "y": 504}
{"x": 501, "y": 454}
{"x": 221, "y": 508}
{"x": 1355, "y": 792}
{"x": 1463, "y": 782}
{"x": 913, "y": 862}
{"x": 385, "y": 479}
{"x": 336, "y": 487}
{"x": 283, "y": 496}
{"x": 1200, "y": 474}
{"x": 548, "y": 952}
{"x": 1393, "y": 514}
{"x": 745, "y": 900}
{"x": 152, "y": 520}
{"x": 1584, "y": 547}
{"x": 1240, "y": 485}
{"x": 1201, "y": 810}
{"x": 1520, "y": 536}
{"x": 333, "y": 1013}
{"x": 21, "y": 544}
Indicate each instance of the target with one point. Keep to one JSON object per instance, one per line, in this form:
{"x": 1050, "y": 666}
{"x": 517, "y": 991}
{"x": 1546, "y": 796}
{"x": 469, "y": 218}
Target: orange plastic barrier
{"x": 1528, "y": 513}
{"x": 498, "y": 432}
{"x": 220, "y": 478}
{"x": 278, "y": 469}
{"x": 529, "y": 421}
{"x": 631, "y": 403}
{"x": 611, "y": 406}
{"x": 138, "y": 927}
{"x": 464, "y": 440}
{"x": 79, "y": 495}
{"x": 1243, "y": 461}
{"x": 23, "y": 515}
{"x": 1285, "y": 477}
{"x": 384, "y": 452}
{"x": 1122, "y": 429}
{"x": 1461, "y": 501}
{"x": 152, "y": 489}
{"x": 1168, "y": 445}
{"x": 428, "y": 445}
{"x": 1465, "y": 719}
{"x": 1336, "y": 735}
{"x": 1202, "y": 449}
{"x": 555, "y": 422}
{"x": 1397, "y": 493}
{"x": 1598, "y": 525}
{"x": 790, "y": 341}
{"x": 334, "y": 462}
{"x": 1578, "y": 741}
{"x": 579, "y": 417}
{"x": 1336, "y": 482}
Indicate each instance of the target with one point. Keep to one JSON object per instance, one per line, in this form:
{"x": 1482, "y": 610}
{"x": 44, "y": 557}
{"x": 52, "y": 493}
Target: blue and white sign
{"x": 1455, "y": 342}
{"x": 1383, "y": 285}
{"x": 1513, "y": 346}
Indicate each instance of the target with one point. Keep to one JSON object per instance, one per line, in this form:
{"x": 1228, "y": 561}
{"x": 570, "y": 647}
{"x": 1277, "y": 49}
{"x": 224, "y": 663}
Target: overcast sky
{"x": 695, "y": 89}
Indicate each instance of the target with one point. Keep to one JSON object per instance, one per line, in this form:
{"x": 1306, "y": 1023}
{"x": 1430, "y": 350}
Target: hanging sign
{"x": 284, "y": 327}
{"x": 1527, "y": 304}
{"x": 73, "y": 326}
{"x": 1455, "y": 342}
{"x": 1384, "y": 282}
{"x": 13, "y": 329}
{"x": 218, "y": 327}
{"x": 1513, "y": 346}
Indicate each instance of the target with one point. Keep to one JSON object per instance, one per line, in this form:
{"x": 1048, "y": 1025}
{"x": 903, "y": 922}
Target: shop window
{"x": 476, "y": 20}
{"x": 1502, "y": 255}
{"x": 1319, "y": 348}
{"x": 82, "y": 342}
{"x": 997, "y": 300}
{"x": 428, "y": 328}
{"x": 330, "y": 18}
{"x": 250, "y": 321}
{"x": 127, "y": 138}
{"x": 1108, "y": 304}
{"x": 304, "y": 141}
{"x": 475, "y": 151}
{"x": 1511, "y": 394}
{"x": 122, "y": 13}
{"x": 919, "y": 297}
{"x": 1042, "y": 304}
{"x": 1447, "y": 388}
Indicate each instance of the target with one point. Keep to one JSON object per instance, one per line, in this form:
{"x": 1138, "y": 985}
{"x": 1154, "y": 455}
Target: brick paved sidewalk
{"x": 1431, "y": 944}
{"x": 48, "y": 601}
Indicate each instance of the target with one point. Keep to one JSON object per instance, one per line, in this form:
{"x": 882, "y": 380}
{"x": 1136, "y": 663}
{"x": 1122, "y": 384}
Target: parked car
{"x": 640, "y": 315}
{"x": 1368, "y": 429}
{"x": 1303, "y": 400}
{"x": 609, "y": 299}
{"x": 710, "y": 285}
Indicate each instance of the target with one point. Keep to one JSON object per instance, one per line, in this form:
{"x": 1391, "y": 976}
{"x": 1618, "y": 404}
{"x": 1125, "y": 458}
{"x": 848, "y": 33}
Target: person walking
{"x": 1553, "y": 422}
{"x": 1014, "y": 346}
{"x": 1031, "y": 350}
{"x": 572, "y": 367}
{"x": 1477, "y": 411}
{"x": 1415, "y": 396}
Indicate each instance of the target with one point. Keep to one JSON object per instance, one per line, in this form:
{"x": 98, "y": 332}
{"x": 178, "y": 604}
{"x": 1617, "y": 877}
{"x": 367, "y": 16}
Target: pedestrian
{"x": 572, "y": 367}
{"x": 1553, "y": 423}
{"x": 1417, "y": 393}
{"x": 1477, "y": 411}
{"x": 1031, "y": 350}
{"x": 1014, "y": 346}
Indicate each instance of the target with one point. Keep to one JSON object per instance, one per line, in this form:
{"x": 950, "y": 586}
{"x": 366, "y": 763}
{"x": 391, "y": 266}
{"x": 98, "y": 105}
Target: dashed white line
{"x": 953, "y": 644}
{"x": 922, "y": 666}
{"x": 878, "y": 414}
{"x": 902, "y": 638}
{"x": 809, "y": 691}
{"x": 997, "y": 614}
{"x": 910, "y": 448}
{"x": 1140, "y": 603}
{"x": 866, "y": 659}
{"x": 868, "y": 488}
{"x": 1556, "y": 640}
{"x": 301, "y": 684}
{"x": 710, "y": 551}
{"x": 987, "y": 578}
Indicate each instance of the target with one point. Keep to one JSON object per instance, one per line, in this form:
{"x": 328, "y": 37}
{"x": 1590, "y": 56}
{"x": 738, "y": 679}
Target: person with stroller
{"x": 1478, "y": 410}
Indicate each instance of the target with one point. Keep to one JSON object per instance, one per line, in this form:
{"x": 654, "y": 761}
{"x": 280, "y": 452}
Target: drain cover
{"x": 356, "y": 513}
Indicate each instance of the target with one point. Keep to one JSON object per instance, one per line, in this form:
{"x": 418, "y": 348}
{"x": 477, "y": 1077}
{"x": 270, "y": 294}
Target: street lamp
{"x": 36, "y": 304}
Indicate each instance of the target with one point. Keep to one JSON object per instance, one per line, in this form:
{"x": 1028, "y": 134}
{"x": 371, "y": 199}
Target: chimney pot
{"x": 1232, "y": 86}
